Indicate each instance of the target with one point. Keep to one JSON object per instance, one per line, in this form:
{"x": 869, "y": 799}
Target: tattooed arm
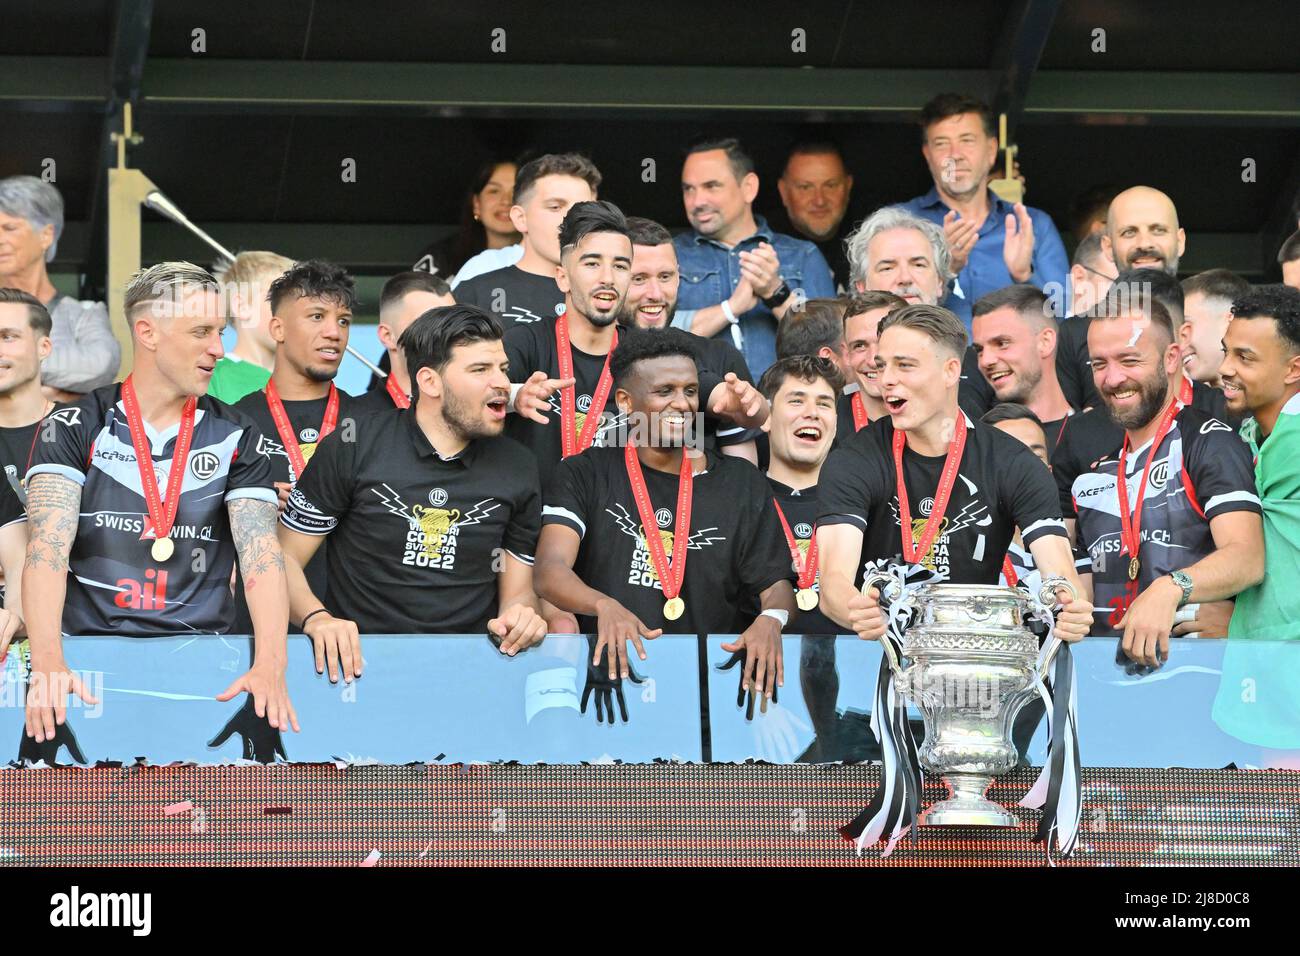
{"x": 261, "y": 562}
{"x": 53, "y": 510}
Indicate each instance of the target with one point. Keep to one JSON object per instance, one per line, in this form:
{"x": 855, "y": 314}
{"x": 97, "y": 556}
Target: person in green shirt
{"x": 247, "y": 367}
{"x": 1259, "y": 697}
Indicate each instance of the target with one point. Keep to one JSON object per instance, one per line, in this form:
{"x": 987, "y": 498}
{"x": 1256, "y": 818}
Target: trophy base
{"x": 967, "y": 807}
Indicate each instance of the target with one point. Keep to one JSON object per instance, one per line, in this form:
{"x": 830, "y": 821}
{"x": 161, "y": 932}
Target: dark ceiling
{"x": 249, "y": 135}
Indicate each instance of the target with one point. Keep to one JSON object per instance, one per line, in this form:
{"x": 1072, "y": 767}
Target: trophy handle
{"x": 881, "y": 583}
{"x": 1047, "y": 595}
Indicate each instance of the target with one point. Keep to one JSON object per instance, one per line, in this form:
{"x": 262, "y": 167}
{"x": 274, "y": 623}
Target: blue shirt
{"x": 710, "y": 272}
{"x": 986, "y": 271}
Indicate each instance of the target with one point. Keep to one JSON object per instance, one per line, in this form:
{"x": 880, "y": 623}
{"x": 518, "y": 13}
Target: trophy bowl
{"x": 971, "y": 665}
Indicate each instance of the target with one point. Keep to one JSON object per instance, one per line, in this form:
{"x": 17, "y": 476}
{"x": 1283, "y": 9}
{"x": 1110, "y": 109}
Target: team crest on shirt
{"x": 641, "y": 571}
{"x": 606, "y": 431}
{"x": 433, "y": 532}
{"x": 204, "y": 465}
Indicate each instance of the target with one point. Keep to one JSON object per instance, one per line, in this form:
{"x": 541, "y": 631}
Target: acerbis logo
{"x": 1214, "y": 425}
{"x": 664, "y": 517}
{"x": 204, "y": 465}
{"x": 66, "y": 416}
{"x": 438, "y": 497}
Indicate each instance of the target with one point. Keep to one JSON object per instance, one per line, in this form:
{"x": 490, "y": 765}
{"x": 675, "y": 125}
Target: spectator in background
{"x": 86, "y": 355}
{"x": 732, "y": 253}
{"x": 404, "y": 298}
{"x": 1142, "y": 231}
{"x": 992, "y": 242}
{"x": 1015, "y": 339}
{"x": 815, "y": 188}
{"x": 526, "y": 292}
{"x": 1091, "y": 275}
{"x": 1207, "y": 310}
{"x": 485, "y": 222}
{"x": 817, "y": 330}
{"x": 1288, "y": 257}
{"x": 1088, "y": 211}
{"x": 245, "y": 282}
{"x": 861, "y": 402}
{"x": 893, "y": 250}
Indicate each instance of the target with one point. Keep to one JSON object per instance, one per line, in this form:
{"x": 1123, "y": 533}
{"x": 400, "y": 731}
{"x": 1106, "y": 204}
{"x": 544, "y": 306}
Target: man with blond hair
{"x": 245, "y": 282}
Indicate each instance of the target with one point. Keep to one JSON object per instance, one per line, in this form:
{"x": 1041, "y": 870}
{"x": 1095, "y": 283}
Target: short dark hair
{"x": 647, "y": 232}
{"x": 946, "y": 105}
{"x": 1164, "y": 289}
{"x": 1130, "y": 296}
{"x": 1215, "y": 284}
{"x": 1028, "y": 301}
{"x": 806, "y": 368}
{"x": 1274, "y": 301}
{"x": 1010, "y": 411}
{"x": 939, "y": 324}
{"x": 584, "y": 218}
{"x": 38, "y": 317}
{"x": 404, "y": 283}
{"x": 813, "y": 147}
{"x": 314, "y": 279}
{"x": 1088, "y": 251}
{"x": 429, "y": 340}
{"x": 1085, "y": 206}
{"x": 861, "y": 302}
{"x": 640, "y": 345}
{"x": 1290, "y": 250}
{"x": 741, "y": 162}
{"x": 818, "y": 325}
{"x": 554, "y": 164}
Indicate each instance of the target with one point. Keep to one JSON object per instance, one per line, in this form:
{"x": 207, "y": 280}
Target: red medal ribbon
{"x": 285, "y": 428}
{"x": 399, "y": 397}
{"x": 1185, "y": 391}
{"x": 162, "y": 511}
{"x": 670, "y": 579}
{"x": 1131, "y": 521}
{"x": 860, "y": 418}
{"x": 1009, "y": 572}
{"x": 912, "y": 552}
{"x": 571, "y": 444}
{"x": 807, "y": 570}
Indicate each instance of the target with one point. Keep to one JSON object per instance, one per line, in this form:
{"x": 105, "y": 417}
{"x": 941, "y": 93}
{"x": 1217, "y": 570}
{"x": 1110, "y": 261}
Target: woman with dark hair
{"x": 484, "y": 221}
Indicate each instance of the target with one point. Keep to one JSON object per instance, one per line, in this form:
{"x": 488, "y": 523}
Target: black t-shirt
{"x": 114, "y": 584}
{"x": 736, "y": 549}
{"x": 844, "y": 423}
{"x": 1073, "y": 363}
{"x": 531, "y": 348}
{"x": 1000, "y": 485}
{"x": 16, "y": 453}
{"x": 974, "y": 394}
{"x": 1052, "y": 432}
{"x": 306, "y": 418}
{"x": 800, "y": 510}
{"x": 514, "y": 296}
{"x": 375, "y": 400}
{"x": 416, "y": 540}
{"x": 1202, "y": 469}
{"x": 1093, "y": 435}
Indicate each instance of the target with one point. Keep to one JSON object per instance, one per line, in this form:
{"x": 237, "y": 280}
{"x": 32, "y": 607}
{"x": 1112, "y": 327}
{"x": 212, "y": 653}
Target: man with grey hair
{"x": 138, "y": 501}
{"x": 896, "y": 251}
{"x": 86, "y": 355}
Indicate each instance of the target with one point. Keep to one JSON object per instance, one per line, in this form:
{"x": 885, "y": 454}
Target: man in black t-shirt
{"x": 527, "y": 292}
{"x": 140, "y": 501}
{"x": 1015, "y": 339}
{"x": 311, "y": 315}
{"x": 1184, "y": 526}
{"x": 963, "y": 489}
{"x": 652, "y": 304}
{"x": 404, "y": 298}
{"x": 657, "y": 535}
{"x": 433, "y": 514}
{"x": 861, "y": 403}
{"x": 25, "y": 327}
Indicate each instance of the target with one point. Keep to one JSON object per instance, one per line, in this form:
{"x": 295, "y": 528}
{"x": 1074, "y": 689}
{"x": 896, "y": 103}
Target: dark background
{"x": 248, "y": 138}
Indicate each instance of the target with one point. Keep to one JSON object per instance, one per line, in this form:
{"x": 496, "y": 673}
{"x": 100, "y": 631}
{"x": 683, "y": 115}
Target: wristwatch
{"x": 1184, "y": 581}
{"x": 777, "y": 298}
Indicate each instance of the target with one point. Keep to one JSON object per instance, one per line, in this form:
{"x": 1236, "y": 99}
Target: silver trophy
{"x": 970, "y": 665}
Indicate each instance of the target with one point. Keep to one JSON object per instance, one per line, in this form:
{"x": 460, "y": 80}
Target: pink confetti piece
{"x": 426, "y": 849}
{"x": 372, "y": 859}
{"x": 185, "y": 806}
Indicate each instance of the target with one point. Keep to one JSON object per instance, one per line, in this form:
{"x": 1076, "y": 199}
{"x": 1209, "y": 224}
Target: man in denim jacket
{"x": 738, "y": 275}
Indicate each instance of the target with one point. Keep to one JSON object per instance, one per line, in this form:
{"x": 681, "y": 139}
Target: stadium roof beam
{"x": 1024, "y": 35}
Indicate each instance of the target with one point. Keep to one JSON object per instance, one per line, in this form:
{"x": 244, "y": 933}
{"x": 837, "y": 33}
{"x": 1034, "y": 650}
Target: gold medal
{"x": 1133, "y": 567}
{"x": 162, "y": 549}
{"x": 674, "y": 608}
{"x": 806, "y": 599}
